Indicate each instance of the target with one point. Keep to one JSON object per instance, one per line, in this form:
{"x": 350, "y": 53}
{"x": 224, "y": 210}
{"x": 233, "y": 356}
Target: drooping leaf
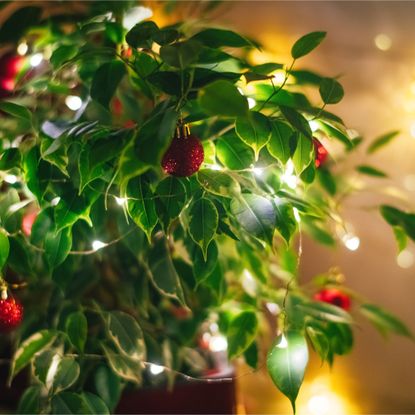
{"x": 126, "y": 334}
{"x": 381, "y": 141}
{"x": 233, "y": 153}
{"x": 107, "y": 386}
{"x": 77, "y": 329}
{"x": 94, "y": 404}
{"x": 297, "y": 120}
{"x": 141, "y": 205}
{"x": 303, "y": 153}
{"x": 400, "y": 237}
{"x": 241, "y": 332}
{"x": 180, "y": 54}
{"x": 285, "y": 221}
{"x": 216, "y": 38}
{"x": 286, "y": 363}
{"x": 57, "y": 246}
{"x": 66, "y": 374}
{"x": 218, "y": 183}
{"x": 106, "y": 80}
{"x": 68, "y": 403}
{"x": 331, "y": 91}
{"x": 203, "y": 223}
{"x": 203, "y": 267}
{"x": 279, "y": 143}
{"x": 63, "y": 54}
{"x": 4, "y": 248}
{"x": 326, "y": 312}
{"x": 256, "y": 215}
{"x": 140, "y": 36}
{"x": 319, "y": 341}
{"x": 27, "y": 350}
{"x": 384, "y": 321}
{"x": 306, "y": 44}
{"x": 223, "y": 98}
{"x": 370, "y": 171}
{"x": 254, "y": 130}
{"x": 18, "y": 111}
{"x": 29, "y": 403}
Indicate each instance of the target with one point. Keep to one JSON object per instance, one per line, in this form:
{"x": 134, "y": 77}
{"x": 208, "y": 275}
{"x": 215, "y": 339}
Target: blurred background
{"x": 371, "y": 45}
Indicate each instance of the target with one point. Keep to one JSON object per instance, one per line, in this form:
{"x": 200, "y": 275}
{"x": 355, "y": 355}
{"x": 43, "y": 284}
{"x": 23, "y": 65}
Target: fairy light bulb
{"x": 73, "y": 102}
{"x": 22, "y": 49}
{"x": 279, "y": 77}
{"x": 218, "y": 343}
{"x": 351, "y": 241}
{"x": 36, "y": 60}
{"x": 10, "y": 178}
{"x": 156, "y": 369}
{"x": 251, "y": 103}
{"x": 96, "y": 245}
{"x": 120, "y": 200}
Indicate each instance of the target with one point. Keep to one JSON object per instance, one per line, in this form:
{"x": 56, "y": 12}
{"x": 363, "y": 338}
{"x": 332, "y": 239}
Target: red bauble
{"x": 184, "y": 156}
{"x": 335, "y": 297}
{"x": 10, "y": 65}
{"x": 11, "y": 314}
{"x": 321, "y": 152}
{"x": 27, "y": 222}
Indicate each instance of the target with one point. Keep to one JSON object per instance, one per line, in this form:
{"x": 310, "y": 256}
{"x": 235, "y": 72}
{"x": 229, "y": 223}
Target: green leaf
{"x": 162, "y": 272}
{"x": 254, "y": 130}
{"x": 331, "y": 91}
{"x": 141, "y": 205}
{"x": 26, "y": 351}
{"x": 166, "y": 36}
{"x": 126, "y": 334}
{"x": 319, "y": 341}
{"x": 43, "y": 363}
{"x": 285, "y": 220}
{"x": 251, "y": 355}
{"x": 384, "y": 321}
{"x": 123, "y": 366}
{"x": 218, "y": 183}
{"x": 77, "y": 329}
{"x": 223, "y": 98}
{"x": 326, "y": 312}
{"x": 306, "y": 44}
{"x": 106, "y": 80}
{"x": 94, "y": 404}
{"x": 203, "y": 223}
{"x": 296, "y": 120}
{"x": 57, "y": 246}
{"x": 155, "y": 136}
{"x": 171, "y": 198}
{"x": 400, "y": 237}
{"x": 202, "y": 267}
{"x": 66, "y": 374}
{"x": 256, "y": 215}
{"x": 144, "y": 64}
{"x": 18, "y": 111}
{"x": 30, "y": 401}
{"x": 10, "y": 158}
{"x": 55, "y": 152}
{"x": 303, "y": 153}
{"x": 180, "y": 54}
{"x": 327, "y": 180}
{"x": 68, "y": 403}
{"x": 233, "y": 153}
{"x": 336, "y": 132}
{"x": 286, "y": 363}
{"x": 63, "y": 54}
{"x": 241, "y": 332}
{"x": 216, "y": 38}
{"x": 370, "y": 171}
{"x": 107, "y": 386}
{"x": 140, "y": 36}
{"x": 381, "y": 141}
{"x": 4, "y": 248}
{"x": 279, "y": 143}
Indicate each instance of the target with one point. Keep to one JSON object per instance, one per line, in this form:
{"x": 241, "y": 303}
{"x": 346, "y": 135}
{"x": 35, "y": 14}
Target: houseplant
{"x": 155, "y": 189}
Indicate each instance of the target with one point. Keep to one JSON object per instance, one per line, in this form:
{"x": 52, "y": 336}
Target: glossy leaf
{"x": 66, "y": 375}
{"x": 254, "y": 130}
{"x": 331, "y": 91}
{"x": 57, "y": 246}
{"x": 216, "y": 38}
{"x": 286, "y": 363}
{"x": 203, "y": 267}
{"x": 107, "y": 386}
{"x": 233, "y": 153}
{"x": 285, "y": 221}
{"x": 18, "y": 111}
{"x": 218, "y": 183}
{"x": 381, "y": 141}
{"x": 4, "y": 248}
{"x": 180, "y": 54}
{"x": 306, "y": 44}
{"x": 29, "y": 403}
{"x": 370, "y": 171}
{"x": 140, "y": 36}
{"x": 77, "y": 329}
{"x": 279, "y": 143}
{"x": 297, "y": 120}
{"x": 241, "y": 332}
{"x": 303, "y": 154}
{"x": 203, "y": 223}
{"x": 223, "y": 98}
{"x": 256, "y": 215}
{"x": 326, "y": 312}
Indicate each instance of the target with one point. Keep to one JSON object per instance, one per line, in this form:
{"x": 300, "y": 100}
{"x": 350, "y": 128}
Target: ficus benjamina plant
{"x": 155, "y": 182}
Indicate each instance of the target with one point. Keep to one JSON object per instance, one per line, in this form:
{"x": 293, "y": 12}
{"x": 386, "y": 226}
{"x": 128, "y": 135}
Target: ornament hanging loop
{"x": 182, "y": 129}
{"x": 3, "y": 289}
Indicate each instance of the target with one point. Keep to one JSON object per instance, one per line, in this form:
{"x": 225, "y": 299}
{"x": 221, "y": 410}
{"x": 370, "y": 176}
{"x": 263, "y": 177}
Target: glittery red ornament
{"x": 184, "y": 156}
{"x": 335, "y": 297}
{"x": 27, "y": 222}
{"x": 10, "y": 65}
{"x": 11, "y": 314}
{"x": 321, "y": 152}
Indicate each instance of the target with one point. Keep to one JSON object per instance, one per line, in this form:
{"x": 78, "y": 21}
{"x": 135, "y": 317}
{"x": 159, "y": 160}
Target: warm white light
{"x": 73, "y": 102}
{"x": 136, "y": 15}
{"x": 96, "y": 245}
{"x": 313, "y": 125}
{"x": 383, "y": 41}
{"x": 352, "y": 133}
{"x": 22, "y": 49}
{"x": 412, "y": 129}
{"x": 279, "y": 77}
{"x": 248, "y": 283}
{"x": 258, "y": 171}
{"x": 251, "y": 103}
{"x": 405, "y": 259}
{"x": 318, "y": 405}
{"x": 53, "y": 368}
{"x": 36, "y": 59}
{"x": 351, "y": 242}
{"x": 156, "y": 369}
{"x": 273, "y": 308}
{"x": 283, "y": 344}
{"x": 409, "y": 182}
{"x": 288, "y": 177}
{"x": 55, "y": 201}
{"x": 296, "y": 215}
{"x": 121, "y": 200}
{"x": 218, "y": 343}
{"x": 214, "y": 167}
{"x": 10, "y": 178}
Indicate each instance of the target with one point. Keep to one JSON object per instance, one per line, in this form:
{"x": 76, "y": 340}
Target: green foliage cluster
{"x": 178, "y": 252}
